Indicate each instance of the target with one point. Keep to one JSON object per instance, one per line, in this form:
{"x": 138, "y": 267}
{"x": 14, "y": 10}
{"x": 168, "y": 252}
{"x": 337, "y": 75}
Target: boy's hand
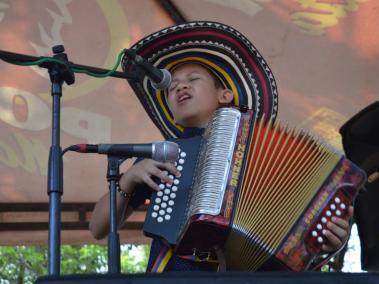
{"x": 144, "y": 172}
{"x": 338, "y": 232}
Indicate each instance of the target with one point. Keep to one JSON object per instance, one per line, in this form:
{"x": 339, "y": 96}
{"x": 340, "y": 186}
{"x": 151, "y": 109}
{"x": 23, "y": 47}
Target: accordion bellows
{"x": 261, "y": 191}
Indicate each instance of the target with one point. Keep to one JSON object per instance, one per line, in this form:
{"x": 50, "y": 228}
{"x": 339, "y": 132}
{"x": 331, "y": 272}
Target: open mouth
{"x": 183, "y": 97}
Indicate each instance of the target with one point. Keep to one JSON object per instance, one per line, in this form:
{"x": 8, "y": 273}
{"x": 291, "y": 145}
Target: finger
{"x": 170, "y": 167}
{"x": 333, "y": 241}
{"x": 342, "y": 223}
{"x": 162, "y": 175}
{"x": 150, "y": 183}
{"x": 336, "y": 229}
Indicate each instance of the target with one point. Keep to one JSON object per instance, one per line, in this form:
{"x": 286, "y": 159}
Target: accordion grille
{"x": 283, "y": 172}
{"x": 213, "y": 167}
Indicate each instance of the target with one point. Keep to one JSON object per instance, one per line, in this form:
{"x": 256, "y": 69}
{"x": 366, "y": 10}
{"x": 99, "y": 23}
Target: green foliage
{"x": 23, "y": 264}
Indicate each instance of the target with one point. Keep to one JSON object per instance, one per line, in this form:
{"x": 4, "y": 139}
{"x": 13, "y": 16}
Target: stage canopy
{"x": 324, "y": 56}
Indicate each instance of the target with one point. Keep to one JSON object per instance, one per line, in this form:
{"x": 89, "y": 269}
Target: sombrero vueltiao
{"x": 225, "y": 51}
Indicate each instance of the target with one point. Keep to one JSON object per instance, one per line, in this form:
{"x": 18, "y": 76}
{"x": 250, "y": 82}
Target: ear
{"x": 225, "y": 96}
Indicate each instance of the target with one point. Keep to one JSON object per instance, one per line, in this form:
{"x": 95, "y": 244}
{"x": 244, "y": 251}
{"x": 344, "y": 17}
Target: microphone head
{"x": 165, "y": 151}
{"x": 164, "y": 83}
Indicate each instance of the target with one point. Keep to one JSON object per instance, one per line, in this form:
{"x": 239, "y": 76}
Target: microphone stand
{"x": 61, "y": 72}
{"x": 113, "y": 174}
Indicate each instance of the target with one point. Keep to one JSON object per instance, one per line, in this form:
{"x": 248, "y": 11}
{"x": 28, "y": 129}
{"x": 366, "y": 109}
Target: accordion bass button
{"x": 183, "y": 154}
{"x": 167, "y": 217}
{"x": 160, "y": 193}
{"x": 320, "y": 240}
{"x": 171, "y": 203}
{"x": 324, "y": 220}
{"x": 181, "y": 161}
{"x": 156, "y": 207}
{"x": 164, "y": 205}
{"x": 319, "y": 226}
{"x": 328, "y": 213}
{"x": 169, "y": 210}
{"x": 343, "y": 206}
{"x": 174, "y": 188}
{"x": 161, "y": 212}
{"x": 158, "y": 200}
{"x": 176, "y": 181}
{"x": 160, "y": 219}
{"x": 314, "y": 234}
{"x": 165, "y": 198}
{"x": 179, "y": 168}
{"x": 333, "y": 206}
{"x": 337, "y": 200}
{"x": 154, "y": 214}
{"x": 338, "y": 213}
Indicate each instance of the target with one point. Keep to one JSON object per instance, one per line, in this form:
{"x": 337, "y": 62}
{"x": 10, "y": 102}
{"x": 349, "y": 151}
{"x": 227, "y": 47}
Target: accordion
{"x": 262, "y": 192}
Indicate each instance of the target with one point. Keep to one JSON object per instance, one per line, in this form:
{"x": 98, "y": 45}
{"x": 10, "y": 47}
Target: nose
{"x": 181, "y": 86}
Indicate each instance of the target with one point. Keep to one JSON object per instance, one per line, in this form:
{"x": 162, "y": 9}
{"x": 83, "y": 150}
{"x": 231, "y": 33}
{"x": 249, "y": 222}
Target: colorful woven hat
{"x": 225, "y": 51}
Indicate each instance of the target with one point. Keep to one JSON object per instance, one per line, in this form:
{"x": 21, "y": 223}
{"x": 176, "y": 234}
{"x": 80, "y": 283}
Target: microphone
{"x": 160, "y": 151}
{"x": 160, "y": 78}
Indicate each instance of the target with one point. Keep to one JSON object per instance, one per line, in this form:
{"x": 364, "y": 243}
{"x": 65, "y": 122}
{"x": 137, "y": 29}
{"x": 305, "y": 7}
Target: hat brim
{"x": 225, "y": 51}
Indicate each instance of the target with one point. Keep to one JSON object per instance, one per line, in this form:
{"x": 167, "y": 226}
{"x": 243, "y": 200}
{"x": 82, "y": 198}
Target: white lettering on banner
{"x": 93, "y": 127}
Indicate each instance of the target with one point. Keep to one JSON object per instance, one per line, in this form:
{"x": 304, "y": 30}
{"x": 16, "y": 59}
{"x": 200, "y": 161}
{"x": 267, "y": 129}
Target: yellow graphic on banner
{"x": 320, "y": 15}
{"x": 119, "y": 35}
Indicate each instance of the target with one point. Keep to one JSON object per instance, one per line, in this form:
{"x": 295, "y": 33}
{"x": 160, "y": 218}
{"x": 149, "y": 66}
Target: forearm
{"x": 99, "y": 223}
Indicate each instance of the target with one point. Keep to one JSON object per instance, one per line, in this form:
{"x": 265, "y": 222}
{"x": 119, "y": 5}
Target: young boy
{"x": 198, "y": 88}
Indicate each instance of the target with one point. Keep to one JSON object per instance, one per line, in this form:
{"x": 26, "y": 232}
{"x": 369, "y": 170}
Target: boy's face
{"x": 193, "y": 96}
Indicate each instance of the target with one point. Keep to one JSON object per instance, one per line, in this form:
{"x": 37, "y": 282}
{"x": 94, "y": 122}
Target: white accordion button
{"x": 161, "y": 212}
{"x": 328, "y": 213}
{"x": 171, "y": 202}
{"x": 319, "y": 226}
{"x": 337, "y": 200}
{"x": 154, "y": 214}
{"x": 172, "y": 195}
{"x": 159, "y": 193}
{"x": 166, "y": 191}
{"x": 156, "y": 207}
{"x": 319, "y": 239}
{"x": 333, "y": 206}
{"x": 158, "y": 200}
{"x": 161, "y": 186}
{"x": 179, "y": 168}
{"x": 343, "y": 206}
{"x": 314, "y": 233}
{"x": 171, "y": 176}
{"x": 174, "y": 188}
{"x": 338, "y": 213}
{"x": 160, "y": 219}
{"x": 165, "y": 198}
{"x": 324, "y": 232}
{"x": 176, "y": 181}
{"x": 167, "y": 217}
{"x": 323, "y": 220}
{"x": 183, "y": 154}
{"x": 169, "y": 210}
{"x": 181, "y": 161}
{"x": 164, "y": 204}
